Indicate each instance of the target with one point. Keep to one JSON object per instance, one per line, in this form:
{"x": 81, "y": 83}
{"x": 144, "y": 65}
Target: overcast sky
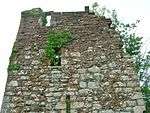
{"x": 10, "y": 10}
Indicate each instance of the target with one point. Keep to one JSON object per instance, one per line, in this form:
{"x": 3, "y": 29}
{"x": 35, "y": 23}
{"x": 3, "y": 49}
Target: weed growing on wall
{"x": 13, "y": 67}
{"x": 56, "y": 40}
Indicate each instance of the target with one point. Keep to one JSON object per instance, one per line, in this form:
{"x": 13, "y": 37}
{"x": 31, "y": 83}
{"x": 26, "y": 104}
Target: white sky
{"x": 10, "y": 10}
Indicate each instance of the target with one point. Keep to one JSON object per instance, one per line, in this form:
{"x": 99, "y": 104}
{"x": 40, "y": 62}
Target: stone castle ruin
{"x": 93, "y": 75}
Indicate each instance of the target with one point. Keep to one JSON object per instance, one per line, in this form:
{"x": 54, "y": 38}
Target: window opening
{"x": 68, "y": 104}
{"x": 48, "y": 18}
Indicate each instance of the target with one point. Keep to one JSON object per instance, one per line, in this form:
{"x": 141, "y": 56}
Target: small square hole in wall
{"x": 48, "y": 18}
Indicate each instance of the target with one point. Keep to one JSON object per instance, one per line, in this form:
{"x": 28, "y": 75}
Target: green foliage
{"x": 99, "y": 10}
{"x": 13, "y": 67}
{"x": 14, "y": 51}
{"x": 55, "y": 41}
{"x": 146, "y": 90}
{"x": 146, "y": 93}
{"x": 142, "y": 68}
{"x": 131, "y": 41}
{"x": 133, "y": 44}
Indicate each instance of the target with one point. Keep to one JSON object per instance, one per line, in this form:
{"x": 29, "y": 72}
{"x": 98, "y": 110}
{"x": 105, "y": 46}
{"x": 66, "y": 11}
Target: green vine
{"x": 55, "y": 41}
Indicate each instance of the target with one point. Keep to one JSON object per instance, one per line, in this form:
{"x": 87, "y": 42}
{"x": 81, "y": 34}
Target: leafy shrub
{"x": 55, "y": 41}
{"x": 146, "y": 92}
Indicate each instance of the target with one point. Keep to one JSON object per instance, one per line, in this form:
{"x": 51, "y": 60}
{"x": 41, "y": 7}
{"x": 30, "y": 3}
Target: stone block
{"x": 13, "y": 83}
{"x": 108, "y": 111}
{"x": 75, "y": 105}
{"x": 75, "y": 54}
{"x": 92, "y": 85}
{"x": 139, "y": 109}
{"x": 137, "y": 95}
{"x": 81, "y": 71}
{"x": 94, "y": 69}
{"x": 83, "y": 84}
{"x": 60, "y": 105}
{"x": 140, "y": 102}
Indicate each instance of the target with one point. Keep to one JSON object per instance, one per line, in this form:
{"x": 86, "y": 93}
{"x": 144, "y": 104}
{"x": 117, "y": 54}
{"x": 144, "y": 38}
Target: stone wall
{"x": 94, "y": 72}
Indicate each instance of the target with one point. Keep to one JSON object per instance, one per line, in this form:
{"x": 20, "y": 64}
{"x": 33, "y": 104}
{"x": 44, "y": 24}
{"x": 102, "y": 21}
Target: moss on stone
{"x": 13, "y": 67}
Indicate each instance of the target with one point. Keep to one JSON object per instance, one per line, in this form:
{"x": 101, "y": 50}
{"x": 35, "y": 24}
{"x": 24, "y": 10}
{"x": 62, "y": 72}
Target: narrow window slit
{"x": 68, "y": 104}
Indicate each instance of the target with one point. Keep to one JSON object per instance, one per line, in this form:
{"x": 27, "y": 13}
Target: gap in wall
{"x": 48, "y": 20}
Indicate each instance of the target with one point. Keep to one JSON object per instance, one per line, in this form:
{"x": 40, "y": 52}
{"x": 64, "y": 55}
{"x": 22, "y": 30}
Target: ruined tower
{"x": 94, "y": 75}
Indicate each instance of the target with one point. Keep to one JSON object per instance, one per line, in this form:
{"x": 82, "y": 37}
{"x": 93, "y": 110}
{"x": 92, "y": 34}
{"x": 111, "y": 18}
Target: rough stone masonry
{"x": 94, "y": 76}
